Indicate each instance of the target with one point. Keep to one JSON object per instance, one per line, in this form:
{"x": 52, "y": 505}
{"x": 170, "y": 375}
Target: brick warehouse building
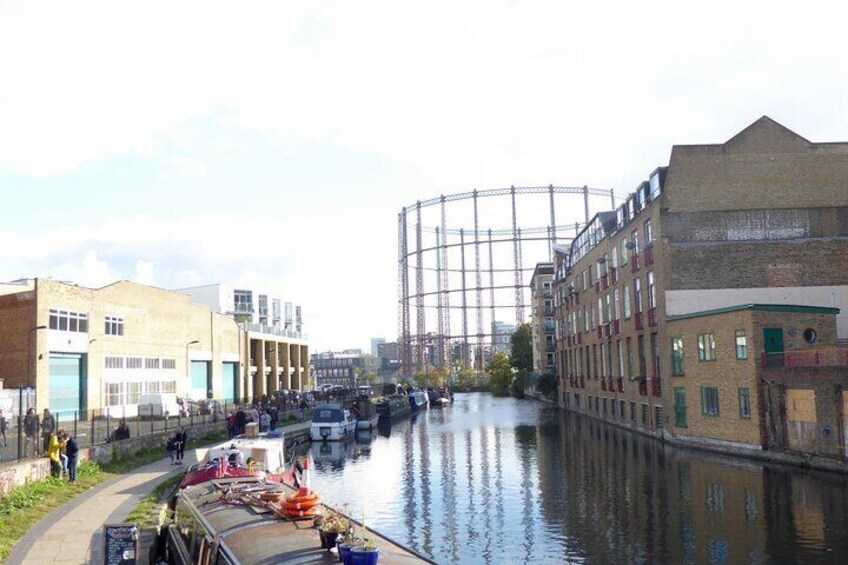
{"x": 101, "y": 349}
{"x": 749, "y": 237}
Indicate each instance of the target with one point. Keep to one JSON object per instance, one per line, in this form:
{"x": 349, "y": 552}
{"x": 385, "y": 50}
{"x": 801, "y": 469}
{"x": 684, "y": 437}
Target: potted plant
{"x": 346, "y": 545}
{"x": 366, "y": 553}
{"x": 330, "y": 526}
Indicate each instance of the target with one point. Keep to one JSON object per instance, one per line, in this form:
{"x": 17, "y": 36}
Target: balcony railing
{"x": 604, "y": 282}
{"x": 613, "y": 275}
{"x": 652, "y": 317}
{"x": 620, "y": 383}
{"x": 616, "y": 327}
{"x": 599, "y": 331}
{"x": 606, "y": 330}
{"x": 603, "y": 383}
{"x": 634, "y": 263}
{"x": 637, "y": 320}
{"x": 834, "y": 357}
{"x": 263, "y": 329}
{"x": 597, "y": 286}
{"x": 643, "y": 386}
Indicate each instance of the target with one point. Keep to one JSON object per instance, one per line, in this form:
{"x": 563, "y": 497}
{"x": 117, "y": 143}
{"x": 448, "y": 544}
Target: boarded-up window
{"x": 801, "y": 405}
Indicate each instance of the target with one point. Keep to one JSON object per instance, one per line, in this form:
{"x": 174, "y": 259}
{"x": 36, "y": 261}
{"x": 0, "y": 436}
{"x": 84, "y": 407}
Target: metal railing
{"x": 26, "y": 437}
{"x": 833, "y": 357}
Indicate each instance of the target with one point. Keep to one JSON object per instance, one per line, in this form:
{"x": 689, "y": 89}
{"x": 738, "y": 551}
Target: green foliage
{"x": 466, "y": 378}
{"x": 500, "y": 374}
{"x": 547, "y": 385}
{"x": 432, "y": 377}
{"x": 521, "y": 354}
{"x": 519, "y": 381}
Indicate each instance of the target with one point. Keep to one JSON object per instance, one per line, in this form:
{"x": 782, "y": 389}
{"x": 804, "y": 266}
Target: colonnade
{"x": 276, "y": 365}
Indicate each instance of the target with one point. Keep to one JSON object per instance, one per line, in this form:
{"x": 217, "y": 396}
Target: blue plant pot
{"x": 345, "y": 553}
{"x": 364, "y": 556}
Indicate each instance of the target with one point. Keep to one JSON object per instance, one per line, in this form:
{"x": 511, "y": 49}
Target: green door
{"x": 773, "y": 347}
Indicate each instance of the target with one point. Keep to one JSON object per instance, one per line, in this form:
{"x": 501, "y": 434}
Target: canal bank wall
{"x": 806, "y": 461}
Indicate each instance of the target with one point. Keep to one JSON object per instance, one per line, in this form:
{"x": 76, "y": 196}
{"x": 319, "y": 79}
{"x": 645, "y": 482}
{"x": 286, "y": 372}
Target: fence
{"x": 23, "y": 436}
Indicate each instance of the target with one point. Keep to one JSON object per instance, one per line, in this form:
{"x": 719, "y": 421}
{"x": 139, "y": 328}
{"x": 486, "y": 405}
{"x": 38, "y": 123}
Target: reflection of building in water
{"x": 706, "y": 308}
{"x": 621, "y": 498}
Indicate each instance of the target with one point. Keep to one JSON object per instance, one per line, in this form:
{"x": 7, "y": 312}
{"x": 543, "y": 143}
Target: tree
{"x": 500, "y": 374}
{"x": 521, "y": 354}
{"x": 547, "y": 385}
{"x": 466, "y": 378}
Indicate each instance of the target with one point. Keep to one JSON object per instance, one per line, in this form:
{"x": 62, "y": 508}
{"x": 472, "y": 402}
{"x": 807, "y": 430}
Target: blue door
{"x": 230, "y": 382}
{"x": 67, "y": 384}
{"x": 201, "y": 385}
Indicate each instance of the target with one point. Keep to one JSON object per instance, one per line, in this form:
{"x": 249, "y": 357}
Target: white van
{"x": 162, "y": 405}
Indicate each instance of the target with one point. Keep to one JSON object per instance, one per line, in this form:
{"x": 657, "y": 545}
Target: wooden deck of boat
{"x": 255, "y": 536}
{"x": 297, "y": 543}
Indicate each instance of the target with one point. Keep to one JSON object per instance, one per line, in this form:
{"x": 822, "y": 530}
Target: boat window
{"x": 327, "y": 415}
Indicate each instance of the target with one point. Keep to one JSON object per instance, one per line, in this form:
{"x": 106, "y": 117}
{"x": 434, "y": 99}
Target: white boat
{"x": 260, "y": 456}
{"x": 331, "y": 422}
{"x": 418, "y": 400}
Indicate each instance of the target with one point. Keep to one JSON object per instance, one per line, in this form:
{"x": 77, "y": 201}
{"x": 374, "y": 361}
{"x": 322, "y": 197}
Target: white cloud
{"x": 144, "y": 272}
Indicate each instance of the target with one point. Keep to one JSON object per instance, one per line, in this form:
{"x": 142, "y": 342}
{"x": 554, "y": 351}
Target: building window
{"x": 616, "y": 305}
{"x": 135, "y": 362}
{"x": 622, "y": 409}
{"x": 741, "y": 345}
{"x": 709, "y": 401}
{"x": 645, "y": 420}
{"x": 633, "y": 412}
{"x": 810, "y": 335}
{"x": 680, "y": 407}
{"x": 629, "y": 358}
{"x": 744, "y": 403}
{"x": 169, "y": 363}
{"x": 243, "y": 301}
{"x": 627, "y": 302}
{"x": 65, "y": 321}
{"x": 133, "y": 392}
{"x": 634, "y": 241}
{"x": 151, "y": 363}
{"x": 114, "y": 362}
{"x": 114, "y": 325}
{"x": 649, "y": 234}
{"x": 637, "y": 295}
{"x": 652, "y": 297}
{"x": 113, "y": 394}
{"x": 706, "y": 347}
{"x": 677, "y": 356}
{"x": 625, "y": 253}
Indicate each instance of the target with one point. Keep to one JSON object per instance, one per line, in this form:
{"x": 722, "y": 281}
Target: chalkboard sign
{"x": 120, "y": 544}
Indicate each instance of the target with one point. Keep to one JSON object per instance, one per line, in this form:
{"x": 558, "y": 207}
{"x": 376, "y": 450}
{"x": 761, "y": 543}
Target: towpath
{"x": 73, "y": 533}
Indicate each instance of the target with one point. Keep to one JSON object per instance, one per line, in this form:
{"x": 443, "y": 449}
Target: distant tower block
{"x": 506, "y": 232}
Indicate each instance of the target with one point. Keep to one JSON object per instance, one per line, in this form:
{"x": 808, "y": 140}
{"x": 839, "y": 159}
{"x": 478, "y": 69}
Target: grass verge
{"x": 144, "y": 515}
{"x": 27, "y": 504}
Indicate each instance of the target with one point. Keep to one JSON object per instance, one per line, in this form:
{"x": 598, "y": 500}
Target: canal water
{"x": 499, "y": 480}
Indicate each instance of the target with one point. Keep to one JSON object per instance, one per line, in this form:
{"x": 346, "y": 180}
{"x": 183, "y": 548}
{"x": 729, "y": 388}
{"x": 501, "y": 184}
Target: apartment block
{"x": 542, "y": 318}
{"x": 748, "y": 236}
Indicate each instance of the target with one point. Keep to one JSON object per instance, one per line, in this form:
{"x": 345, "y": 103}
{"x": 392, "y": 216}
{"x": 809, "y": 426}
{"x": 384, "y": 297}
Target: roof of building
{"x": 786, "y": 308}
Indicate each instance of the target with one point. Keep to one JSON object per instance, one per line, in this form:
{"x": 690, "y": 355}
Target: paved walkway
{"x": 73, "y": 533}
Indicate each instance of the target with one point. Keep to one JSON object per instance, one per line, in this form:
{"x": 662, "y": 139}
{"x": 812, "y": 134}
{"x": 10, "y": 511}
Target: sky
{"x": 273, "y": 143}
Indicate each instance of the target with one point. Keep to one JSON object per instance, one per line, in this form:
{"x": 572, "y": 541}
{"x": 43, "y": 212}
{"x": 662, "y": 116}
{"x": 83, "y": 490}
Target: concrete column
{"x": 295, "y": 361}
{"x": 248, "y": 389}
{"x": 285, "y": 366}
{"x": 306, "y": 382}
{"x": 259, "y": 381}
{"x": 274, "y": 381}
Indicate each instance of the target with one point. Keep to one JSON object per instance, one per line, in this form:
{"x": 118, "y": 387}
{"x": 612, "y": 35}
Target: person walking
{"x": 31, "y": 430}
{"x": 171, "y": 447}
{"x": 180, "y": 440}
{"x": 48, "y": 428}
{"x": 3, "y": 427}
{"x": 241, "y": 420}
{"x": 72, "y": 451}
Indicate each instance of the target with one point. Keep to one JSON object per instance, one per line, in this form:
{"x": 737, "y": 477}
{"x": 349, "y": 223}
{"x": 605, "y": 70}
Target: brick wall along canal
{"x": 493, "y": 480}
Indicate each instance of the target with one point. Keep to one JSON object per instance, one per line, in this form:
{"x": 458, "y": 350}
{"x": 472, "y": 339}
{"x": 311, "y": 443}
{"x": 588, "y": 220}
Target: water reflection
{"x": 505, "y": 481}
